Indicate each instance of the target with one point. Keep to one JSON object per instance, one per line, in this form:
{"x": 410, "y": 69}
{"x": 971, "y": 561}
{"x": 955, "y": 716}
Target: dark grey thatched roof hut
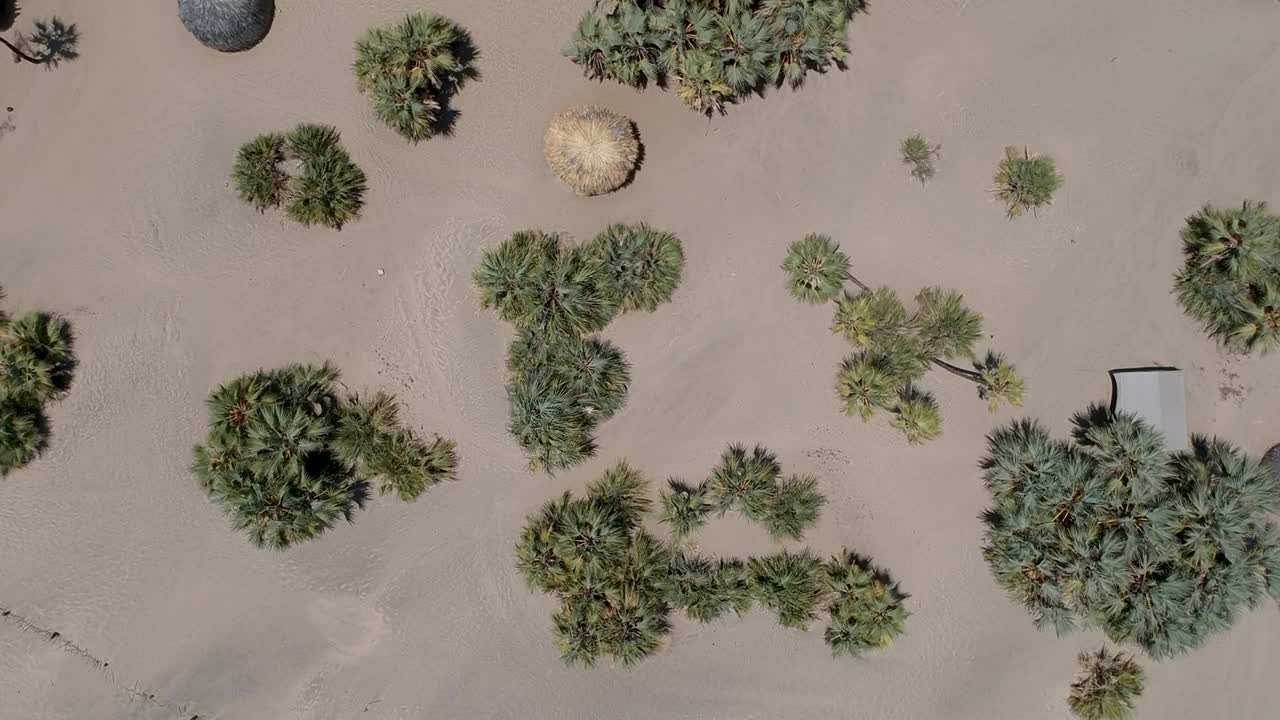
{"x": 227, "y": 25}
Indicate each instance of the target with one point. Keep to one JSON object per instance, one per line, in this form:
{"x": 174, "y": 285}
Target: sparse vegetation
{"x": 921, "y": 156}
{"x": 329, "y": 189}
{"x": 894, "y": 347}
{"x": 288, "y": 454}
{"x": 618, "y": 585}
{"x": 1230, "y": 283}
{"x": 1107, "y": 687}
{"x": 36, "y": 365}
{"x": 562, "y": 381}
{"x": 1112, "y": 531}
{"x": 716, "y": 53}
{"x": 1025, "y": 181}
{"x": 411, "y": 69}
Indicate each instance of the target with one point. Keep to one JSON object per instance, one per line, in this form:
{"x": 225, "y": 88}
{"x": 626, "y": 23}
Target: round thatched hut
{"x": 227, "y": 25}
{"x": 591, "y": 149}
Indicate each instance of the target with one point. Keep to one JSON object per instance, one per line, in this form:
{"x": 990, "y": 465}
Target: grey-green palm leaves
{"x": 36, "y": 365}
{"x": 288, "y": 455}
{"x": 713, "y": 53}
{"x": 1107, "y": 687}
{"x": 328, "y": 190}
{"x": 1025, "y": 182}
{"x": 563, "y": 381}
{"x": 1230, "y": 282}
{"x": 1155, "y": 548}
{"x": 618, "y": 585}
{"x": 896, "y": 346}
{"x": 410, "y": 69}
{"x": 816, "y": 269}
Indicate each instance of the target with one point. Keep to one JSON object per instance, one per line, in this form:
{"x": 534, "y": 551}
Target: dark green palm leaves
{"x": 287, "y": 456}
{"x": 1107, "y": 687}
{"x": 1114, "y": 532}
{"x": 328, "y": 190}
{"x": 1231, "y": 280}
{"x": 410, "y": 69}
{"x": 713, "y": 53}
{"x": 36, "y": 363}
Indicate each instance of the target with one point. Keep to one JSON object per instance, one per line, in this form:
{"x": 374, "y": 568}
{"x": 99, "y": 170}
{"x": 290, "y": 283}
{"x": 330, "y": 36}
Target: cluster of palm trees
{"x": 328, "y": 190}
{"x": 563, "y": 380}
{"x": 894, "y": 347}
{"x": 715, "y": 52}
{"x": 411, "y": 69}
{"x": 1231, "y": 280}
{"x": 289, "y": 454}
{"x": 618, "y": 584}
{"x": 36, "y": 365}
{"x": 1115, "y": 532}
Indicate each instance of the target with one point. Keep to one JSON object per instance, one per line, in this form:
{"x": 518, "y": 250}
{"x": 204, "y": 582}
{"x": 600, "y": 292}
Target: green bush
{"x": 618, "y": 585}
{"x": 562, "y": 381}
{"x": 1025, "y": 181}
{"x": 411, "y": 69}
{"x": 288, "y": 455}
{"x": 1230, "y": 283}
{"x": 716, "y": 53}
{"x": 894, "y": 347}
{"x": 921, "y": 156}
{"x": 329, "y": 189}
{"x": 36, "y": 365}
{"x": 1107, "y": 687}
{"x": 1112, "y": 531}
{"x": 643, "y": 265}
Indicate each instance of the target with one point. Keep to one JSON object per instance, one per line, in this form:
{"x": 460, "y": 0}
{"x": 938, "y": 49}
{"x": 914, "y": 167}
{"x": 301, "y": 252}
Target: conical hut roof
{"x": 227, "y": 25}
{"x": 591, "y": 149}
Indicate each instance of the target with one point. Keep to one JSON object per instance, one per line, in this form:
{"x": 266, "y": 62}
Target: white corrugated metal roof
{"x": 1157, "y": 395}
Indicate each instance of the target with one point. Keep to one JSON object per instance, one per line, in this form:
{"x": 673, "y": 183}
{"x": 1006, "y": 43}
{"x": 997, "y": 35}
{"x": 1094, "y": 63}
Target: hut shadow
{"x": 9, "y": 12}
{"x": 447, "y": 117}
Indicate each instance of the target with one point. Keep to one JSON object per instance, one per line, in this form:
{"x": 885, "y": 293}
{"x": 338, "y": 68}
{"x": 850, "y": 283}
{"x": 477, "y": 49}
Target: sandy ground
{"x": 117, "y": 211}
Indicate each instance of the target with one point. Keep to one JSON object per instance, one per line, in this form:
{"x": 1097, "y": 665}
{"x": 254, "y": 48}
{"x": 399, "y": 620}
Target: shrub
{"x": 411, "y": 69}
{"x": 329, "y": 189}
{"x": 288, "y": 455}
{"x": 1155, "y": 548}
{"x": 816, "y": 269}
{"x": 643, "y": 265}
{"x": 713, "y": 54}
{"x": 896, "y": 347}
{"x": 1025, "y": 181}
{"x": 36, "y": 365}
{"x": 1230, "y": 283}
{"x": 921, "y": 156}
{"x": 1107, "y": 687}
{"x": 866, "y": 607}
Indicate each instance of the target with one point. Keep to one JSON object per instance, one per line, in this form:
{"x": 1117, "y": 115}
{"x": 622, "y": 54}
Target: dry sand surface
{"x": 117, "y": 211}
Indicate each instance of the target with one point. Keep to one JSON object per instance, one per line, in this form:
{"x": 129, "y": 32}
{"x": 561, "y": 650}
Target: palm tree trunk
{"x": 849, "y": 276}
{"x": 19, "y": 53}
{"x": 969, "y": 375}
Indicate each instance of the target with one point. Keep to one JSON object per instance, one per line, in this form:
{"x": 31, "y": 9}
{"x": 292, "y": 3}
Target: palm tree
{"x": 1107, "y": 687}
{"x": 1025, "y": 181}
{"x": 685, "y": 508}
{"x": 794, "y": 507}
{"x": 643, "y": 265}
{"x": 921, "y": 156}
{"x": 816, "y": 269}
{"x": 411, "y": 69}
{"x": 790, "y": 584}
{"x": 867, "y": 611}
{"x": 1230, "y": 282}
{"x": 745, "y": 481}
{"x": 1113, "y": 531}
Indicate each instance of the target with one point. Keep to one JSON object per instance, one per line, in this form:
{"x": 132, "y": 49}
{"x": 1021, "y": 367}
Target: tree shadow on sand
{"x": 9, "y": 12}
{"x": 52, "y": 43}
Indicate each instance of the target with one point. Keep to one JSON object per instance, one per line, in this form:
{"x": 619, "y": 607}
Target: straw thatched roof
{"x": 592, "y": 149}
{"x": 227, "y": 25}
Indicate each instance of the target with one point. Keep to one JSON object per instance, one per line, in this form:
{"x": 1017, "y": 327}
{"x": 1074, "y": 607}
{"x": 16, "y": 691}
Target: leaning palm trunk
{"x": 227, "y": 25}
{"x": 18, "y": 53}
